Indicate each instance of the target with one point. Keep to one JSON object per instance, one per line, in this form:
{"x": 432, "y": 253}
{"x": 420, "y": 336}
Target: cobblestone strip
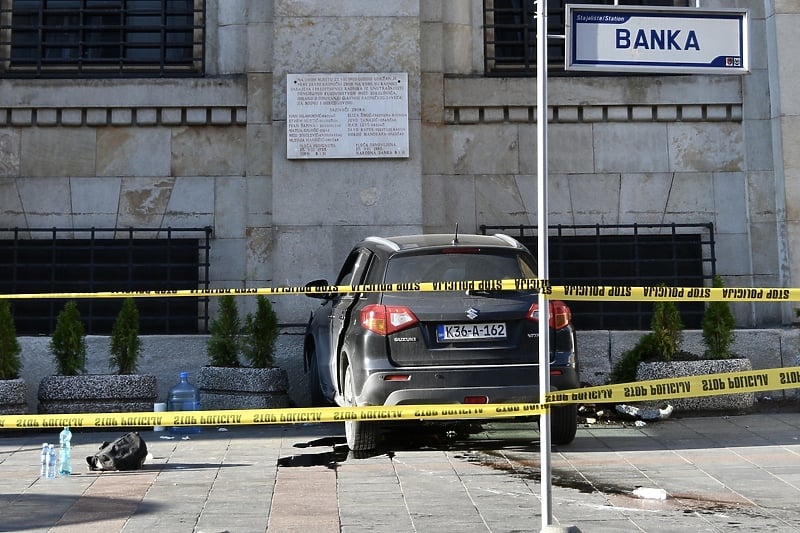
{"x": 107, "y": 503}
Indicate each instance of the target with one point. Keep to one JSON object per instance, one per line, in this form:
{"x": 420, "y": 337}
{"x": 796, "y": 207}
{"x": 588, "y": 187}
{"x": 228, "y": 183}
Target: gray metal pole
{"x": 542, "y": 255}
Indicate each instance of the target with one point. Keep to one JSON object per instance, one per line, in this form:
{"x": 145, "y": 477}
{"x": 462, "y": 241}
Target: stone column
{"x": 784, "y": 68}
{"x": 321, "y": 207}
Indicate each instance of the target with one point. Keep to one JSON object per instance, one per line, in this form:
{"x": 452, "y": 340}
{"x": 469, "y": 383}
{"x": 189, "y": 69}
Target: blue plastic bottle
{"x": 184, "y": 397}
{"x": 51, "y": 461}
{"x": 44, "y": 460}
{"x": 65, "y": 448}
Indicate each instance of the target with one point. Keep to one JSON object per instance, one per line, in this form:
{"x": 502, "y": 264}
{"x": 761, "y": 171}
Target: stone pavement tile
{"x": 107, "y": 503}
{"x": 605, "y": 525}
{"x": 160, "y": 522}
{"x": 233, "y": 520}
{"x": 439, "y": 524}
{"x": 768, "y": 456}
{"x": 378, "y": 511}
{"x": 304, "y": 500}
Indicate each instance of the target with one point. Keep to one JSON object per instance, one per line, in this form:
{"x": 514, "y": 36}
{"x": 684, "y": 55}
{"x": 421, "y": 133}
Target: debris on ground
{"x": 647, "y": 493}
{"x": 604, "y": 414}
{"x": 648, "y": 415}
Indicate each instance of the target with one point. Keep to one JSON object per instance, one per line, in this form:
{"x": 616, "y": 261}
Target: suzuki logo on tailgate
{"x": 472, "y": 313}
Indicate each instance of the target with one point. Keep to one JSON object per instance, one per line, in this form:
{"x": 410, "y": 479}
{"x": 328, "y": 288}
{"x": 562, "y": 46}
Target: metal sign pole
{"x": 542, "y": 255}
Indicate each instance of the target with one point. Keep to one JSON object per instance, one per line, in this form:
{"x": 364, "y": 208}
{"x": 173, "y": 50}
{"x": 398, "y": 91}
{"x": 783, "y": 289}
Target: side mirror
{"x": 314, "y": 291}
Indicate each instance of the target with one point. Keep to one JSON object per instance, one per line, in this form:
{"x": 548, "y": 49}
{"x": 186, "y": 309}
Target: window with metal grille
{"x": 675, "y": 255}
{"x": 109, "y": 38}
{"x": 106, "y": 260}
{"x": 509, "y": 34}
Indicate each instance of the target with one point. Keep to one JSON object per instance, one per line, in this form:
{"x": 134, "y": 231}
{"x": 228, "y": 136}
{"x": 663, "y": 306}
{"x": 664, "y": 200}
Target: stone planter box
{"x": 677, "y": 369}
{"x": 97, "y": 393}
{"x": 13, "y": 400}
{"x": 223, "y": 388}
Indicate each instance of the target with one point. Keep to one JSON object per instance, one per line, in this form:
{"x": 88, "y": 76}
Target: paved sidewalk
{"x": 721, "y": 474}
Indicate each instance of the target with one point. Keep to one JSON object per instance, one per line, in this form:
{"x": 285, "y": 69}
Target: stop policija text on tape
{"x": 683, "y": 387}
{"x": 660, "y": 389}
{"x": 564, "y": 292}
{"x": 270, "y": 416}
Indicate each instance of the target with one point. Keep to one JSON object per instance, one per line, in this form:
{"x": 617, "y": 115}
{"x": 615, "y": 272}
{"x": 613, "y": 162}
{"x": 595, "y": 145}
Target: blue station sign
{"x": 657, "y": 39}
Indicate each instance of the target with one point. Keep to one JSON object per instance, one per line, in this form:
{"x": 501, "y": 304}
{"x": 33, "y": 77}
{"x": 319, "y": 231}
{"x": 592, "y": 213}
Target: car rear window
{"x": 456, "y": 265}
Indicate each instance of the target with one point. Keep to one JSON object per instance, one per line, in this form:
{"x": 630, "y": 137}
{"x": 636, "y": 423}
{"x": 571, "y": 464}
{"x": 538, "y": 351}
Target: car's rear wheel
{"x": 314, "y": 385}
{"x": 361, "y": 436}
{"x": 563, "y": 423}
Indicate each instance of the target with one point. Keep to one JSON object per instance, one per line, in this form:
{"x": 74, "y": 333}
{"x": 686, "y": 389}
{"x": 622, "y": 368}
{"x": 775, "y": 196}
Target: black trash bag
{"x": 128, "y": 452}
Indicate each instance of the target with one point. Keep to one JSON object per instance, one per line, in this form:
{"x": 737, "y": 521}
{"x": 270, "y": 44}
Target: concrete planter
{"x": 13, "y": 400}
{"x": 677, "y": 369}
{"x": 224, "y": 388}
{"x": 97, "y": 393}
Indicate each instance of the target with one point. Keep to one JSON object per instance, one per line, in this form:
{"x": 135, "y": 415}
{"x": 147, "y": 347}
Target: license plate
{"x": 468, "y": 332}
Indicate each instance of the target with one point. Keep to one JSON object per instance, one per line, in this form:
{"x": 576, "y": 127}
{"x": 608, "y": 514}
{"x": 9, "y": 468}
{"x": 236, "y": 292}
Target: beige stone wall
{"x": 212, "y": 151}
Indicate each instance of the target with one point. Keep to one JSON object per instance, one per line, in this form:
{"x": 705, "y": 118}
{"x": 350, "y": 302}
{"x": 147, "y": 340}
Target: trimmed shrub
{"x": 261, "y": 333}
{"x": 125, "y": 344}
{"x": 718, "y": 324}
{"x": 10, "y": 362}
{"x": 68, "y": 342}
{"x": 224, "y": 345}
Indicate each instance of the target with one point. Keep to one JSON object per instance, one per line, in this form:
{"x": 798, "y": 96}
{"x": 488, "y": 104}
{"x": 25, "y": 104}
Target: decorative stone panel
{"x": 678, "y": 369}
{"x": 13, "y": 400}
{"x": 242, "y": 388}
{"x": 97, "y": 393}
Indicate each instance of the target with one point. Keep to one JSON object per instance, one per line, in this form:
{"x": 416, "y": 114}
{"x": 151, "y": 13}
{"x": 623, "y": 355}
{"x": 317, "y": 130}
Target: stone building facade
{"x": 211, "y": 150}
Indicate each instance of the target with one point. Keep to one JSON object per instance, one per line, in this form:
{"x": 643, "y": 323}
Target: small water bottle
{"x": 51, "y": 461}
{"x": 184, "y": 397}
{"x": 65, "y": 458}
{"x": 43, "y": 459}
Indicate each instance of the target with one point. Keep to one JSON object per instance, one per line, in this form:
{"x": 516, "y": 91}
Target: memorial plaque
{"x": 349, "y": 115}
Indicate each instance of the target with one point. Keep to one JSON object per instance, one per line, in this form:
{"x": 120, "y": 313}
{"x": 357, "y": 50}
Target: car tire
{"x": 361, "y": 436}
{"x": 314, "y": 385}
{"x": 563, "y": 424}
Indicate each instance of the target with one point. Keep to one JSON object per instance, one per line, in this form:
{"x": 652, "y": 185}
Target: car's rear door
{"x": 352, "y": 273}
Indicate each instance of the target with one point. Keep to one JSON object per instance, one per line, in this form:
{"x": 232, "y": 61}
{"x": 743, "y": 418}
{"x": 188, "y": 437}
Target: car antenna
{"x": 455, "y": 237}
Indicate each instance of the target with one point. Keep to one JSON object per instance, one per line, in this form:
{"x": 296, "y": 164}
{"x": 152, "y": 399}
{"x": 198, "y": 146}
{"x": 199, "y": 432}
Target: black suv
{"x": 454, "y": 347}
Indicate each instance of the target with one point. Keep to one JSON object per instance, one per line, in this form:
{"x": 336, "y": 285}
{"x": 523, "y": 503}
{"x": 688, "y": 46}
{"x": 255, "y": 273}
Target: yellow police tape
{"x": 562, "y": 292}
{"x": 683, "y": 387}
{"x": 660, "y": 389}
{"x": 293, "y": 415}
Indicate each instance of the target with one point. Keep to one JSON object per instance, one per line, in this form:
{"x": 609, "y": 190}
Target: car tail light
{"x": 387, "y": 319}
{"x": 476, "y": 399}
{"x": 560, "y": 315}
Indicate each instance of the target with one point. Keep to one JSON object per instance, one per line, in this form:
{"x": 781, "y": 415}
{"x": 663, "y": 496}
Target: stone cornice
{"x": 725, "y": 112}
{"x": 123, "y": 116}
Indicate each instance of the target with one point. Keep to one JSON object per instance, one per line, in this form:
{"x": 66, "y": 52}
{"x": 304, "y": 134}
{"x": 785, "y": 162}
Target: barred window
{"x": 509, "y": 33}
{"x": 109, "y": 38}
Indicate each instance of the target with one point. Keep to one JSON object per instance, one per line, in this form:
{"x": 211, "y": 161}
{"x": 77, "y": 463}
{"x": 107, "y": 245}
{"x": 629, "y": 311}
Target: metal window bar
{"x": 678, "y": 255}
{"x": 114, "y": 38}
{"x": 44, "y": 260}
{"x": 509, "y": 34}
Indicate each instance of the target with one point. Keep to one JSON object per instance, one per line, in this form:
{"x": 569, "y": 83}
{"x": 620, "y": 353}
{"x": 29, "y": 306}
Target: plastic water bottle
{"x": 65, "y": 459}
{"x": 184, "y": 397}
{"x": 43, "y": 460}
{"x": 51, "y": 461}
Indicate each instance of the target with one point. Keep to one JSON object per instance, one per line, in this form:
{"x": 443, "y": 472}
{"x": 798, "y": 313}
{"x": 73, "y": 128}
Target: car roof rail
{"x": 384, "y": 242}
{"x": 510, "y": 240}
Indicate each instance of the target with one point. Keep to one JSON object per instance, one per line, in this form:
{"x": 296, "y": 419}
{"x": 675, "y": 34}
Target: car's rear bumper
{"x": 506, "y": 384}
